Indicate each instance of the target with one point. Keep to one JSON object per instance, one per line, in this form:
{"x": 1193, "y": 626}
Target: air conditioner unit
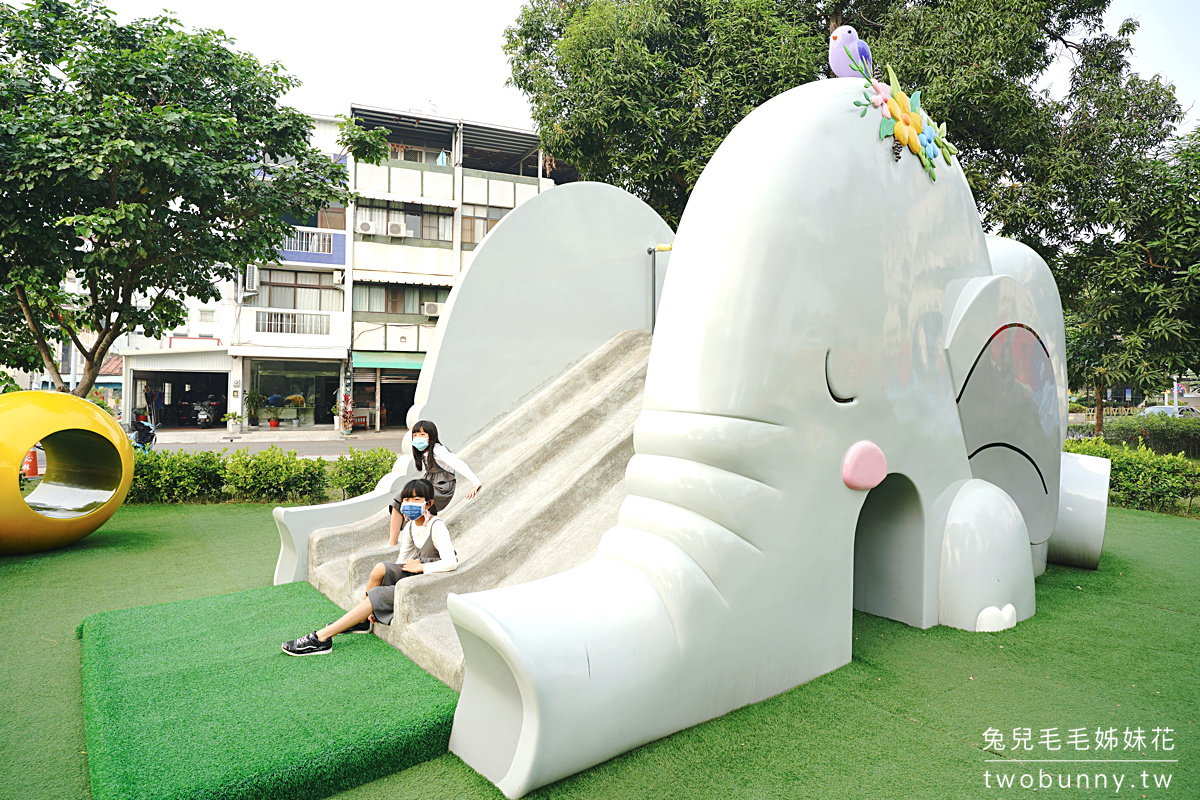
{"x": 432, "y": 309}
{"x": 251, "y": 278}
{"x": 365, "y": 227}
{"x": 339, "y": 276}
{"x": 398, "y": 229}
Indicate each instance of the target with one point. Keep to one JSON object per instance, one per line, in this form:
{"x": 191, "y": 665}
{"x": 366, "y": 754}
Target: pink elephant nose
{"x": 864, "y": 466}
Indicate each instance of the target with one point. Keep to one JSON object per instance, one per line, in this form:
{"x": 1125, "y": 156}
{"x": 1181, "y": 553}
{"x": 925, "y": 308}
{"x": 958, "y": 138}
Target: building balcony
{"x": 283, "y": 332}
{"x": 314, "y": 246}
{"x": 407, "y": 181}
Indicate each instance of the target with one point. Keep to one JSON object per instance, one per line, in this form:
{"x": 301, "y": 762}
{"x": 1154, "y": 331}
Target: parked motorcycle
{"x": 208, "y": 410}
{"x": 142, "y": 435}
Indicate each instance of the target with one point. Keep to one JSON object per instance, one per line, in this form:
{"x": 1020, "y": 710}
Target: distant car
{"x": 1173, "y": 411}
{"x": 185, "y": 408}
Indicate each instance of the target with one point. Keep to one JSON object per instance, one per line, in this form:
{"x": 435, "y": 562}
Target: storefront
{"x": 301, "y": 393}
{"x": 386, "y": 381}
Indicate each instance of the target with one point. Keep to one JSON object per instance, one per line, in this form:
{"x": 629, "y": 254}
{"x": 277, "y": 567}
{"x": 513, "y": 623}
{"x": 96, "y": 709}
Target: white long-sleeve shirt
{"x": 429, "y": 543}
{"x": 447, "y": 460}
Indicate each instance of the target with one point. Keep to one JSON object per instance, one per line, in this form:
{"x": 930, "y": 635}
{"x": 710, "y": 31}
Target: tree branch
{"x": 39, "y": 340}
{"x": 1150, "y": 258}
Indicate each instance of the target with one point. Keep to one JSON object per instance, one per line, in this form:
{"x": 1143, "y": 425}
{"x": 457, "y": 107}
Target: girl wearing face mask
{"x": 439, "y": 465}
{"x": 425, "y": 546}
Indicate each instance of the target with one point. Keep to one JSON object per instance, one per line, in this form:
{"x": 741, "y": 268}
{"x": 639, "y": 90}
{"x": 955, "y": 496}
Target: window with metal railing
{"x": 288, "y": 322}
{"x": 308, "y": 242}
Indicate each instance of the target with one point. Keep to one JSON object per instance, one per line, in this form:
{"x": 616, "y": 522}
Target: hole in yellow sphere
{"x": 83, "y": 471}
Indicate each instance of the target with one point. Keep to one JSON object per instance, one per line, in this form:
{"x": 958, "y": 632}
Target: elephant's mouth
{"x": 837, "y": 398}
{"x": 1018, "y": 451}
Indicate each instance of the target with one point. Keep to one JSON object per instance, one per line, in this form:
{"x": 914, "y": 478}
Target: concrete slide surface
{"x": 553, "y": 474}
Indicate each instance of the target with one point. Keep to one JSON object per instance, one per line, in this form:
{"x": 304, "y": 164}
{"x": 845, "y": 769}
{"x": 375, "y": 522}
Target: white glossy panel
{"x": 986, "y": 560}
{"x": 1082, "y": 512}
{"x": 296, "y": 524}
{"x": 583, "y": 245}
{"x": 1024, "y": 265}
{"x": 1007, "y": 396}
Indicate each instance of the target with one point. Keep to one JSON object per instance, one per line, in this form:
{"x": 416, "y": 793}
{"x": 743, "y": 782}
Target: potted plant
{"x": 254, "y": 401}
{"x": 347, "y": 415}
{"x": 272, "y": 415}
{"x": 233, "y": 421}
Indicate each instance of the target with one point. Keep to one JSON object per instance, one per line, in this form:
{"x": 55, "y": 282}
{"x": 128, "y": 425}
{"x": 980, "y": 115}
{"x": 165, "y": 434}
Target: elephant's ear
{"x": 1007, "y": 396}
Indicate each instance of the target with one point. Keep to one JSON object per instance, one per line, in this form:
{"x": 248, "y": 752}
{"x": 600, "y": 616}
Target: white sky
{"x": 405, "y": 55}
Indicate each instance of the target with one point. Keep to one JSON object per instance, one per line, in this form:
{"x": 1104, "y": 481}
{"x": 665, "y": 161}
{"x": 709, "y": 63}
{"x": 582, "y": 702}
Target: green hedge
{"x": 1142, "y": 478}
{"x": 1162, "y": 434}
{"x": 275, "y": 476}
{"x": 358, "y": 471}
{"x": 164, "y": 476}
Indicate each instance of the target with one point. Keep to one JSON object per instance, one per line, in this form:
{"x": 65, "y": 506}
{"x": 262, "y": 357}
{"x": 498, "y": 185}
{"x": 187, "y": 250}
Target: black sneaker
{"x": 362, "y": 627}
{"x": 308, "y": 645}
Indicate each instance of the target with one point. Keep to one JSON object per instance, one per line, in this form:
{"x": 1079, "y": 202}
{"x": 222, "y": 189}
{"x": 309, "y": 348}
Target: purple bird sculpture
{"x": 842, "y": 39}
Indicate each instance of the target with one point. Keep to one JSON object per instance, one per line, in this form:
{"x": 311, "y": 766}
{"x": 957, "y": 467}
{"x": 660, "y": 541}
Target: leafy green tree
{"x": 640, "y": 94}
{"x": 1138, "y": 301}
{"x": 1089, "y": 355}
{"x": 1113, "y": 207}
{"x": 146, "y": 162}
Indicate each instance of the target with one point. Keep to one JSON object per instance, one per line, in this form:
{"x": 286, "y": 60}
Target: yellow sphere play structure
{"x": 89, "y": 467}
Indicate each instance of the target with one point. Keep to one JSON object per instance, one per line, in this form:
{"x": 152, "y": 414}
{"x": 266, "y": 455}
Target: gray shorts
{"x": 383, "y": 596}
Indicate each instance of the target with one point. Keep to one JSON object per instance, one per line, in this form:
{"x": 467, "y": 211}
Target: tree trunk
{"x": 1099, "y": 410}
{"x": 837, "y": 16}
{"x": 91, "y": 371}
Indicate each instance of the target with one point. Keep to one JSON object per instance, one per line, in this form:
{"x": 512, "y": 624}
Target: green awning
{"x": 365, "y": 359}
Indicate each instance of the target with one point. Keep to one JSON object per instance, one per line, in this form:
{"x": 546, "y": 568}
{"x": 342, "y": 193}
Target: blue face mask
{"x": 412, "y": 510}
{"x": 421, "y": 443}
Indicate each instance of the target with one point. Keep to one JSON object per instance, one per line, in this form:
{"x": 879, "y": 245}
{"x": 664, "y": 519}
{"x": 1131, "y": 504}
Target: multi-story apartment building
{"x": 351, "y": 303}
{"x": 446, "y": 183}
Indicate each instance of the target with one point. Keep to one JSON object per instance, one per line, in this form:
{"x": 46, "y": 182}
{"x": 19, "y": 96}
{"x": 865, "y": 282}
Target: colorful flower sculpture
{"x": 903, "y": 119}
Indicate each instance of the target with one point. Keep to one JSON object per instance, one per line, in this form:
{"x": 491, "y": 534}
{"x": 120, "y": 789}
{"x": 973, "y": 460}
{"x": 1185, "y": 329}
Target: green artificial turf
{"x": 903, "y": 720}
{"x": 144, "y": 554}
{"x": 195, "y": 699}
{"x": 1118, "y": 647}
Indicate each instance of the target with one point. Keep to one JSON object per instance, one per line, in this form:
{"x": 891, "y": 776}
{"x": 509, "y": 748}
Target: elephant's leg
{"x": 986, "y": 579}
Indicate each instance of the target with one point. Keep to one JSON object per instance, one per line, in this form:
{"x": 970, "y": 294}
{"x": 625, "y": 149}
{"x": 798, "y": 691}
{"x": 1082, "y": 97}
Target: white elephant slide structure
{"x": 855, "y": 399}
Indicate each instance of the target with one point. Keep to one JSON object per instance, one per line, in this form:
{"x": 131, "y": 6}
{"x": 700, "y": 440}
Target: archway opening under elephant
{"x": 889, "y": 552}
